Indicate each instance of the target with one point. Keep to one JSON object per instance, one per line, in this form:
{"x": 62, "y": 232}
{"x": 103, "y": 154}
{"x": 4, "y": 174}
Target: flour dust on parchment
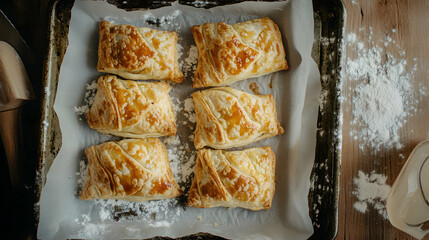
{"x": 189, "y": 64}
{"x": 384, "y": 96}
{"x": 182, "y": 161}
{"x": 181, "y": 154}
{"x": 90, "y": 91}
{"x": 371, "y": 191}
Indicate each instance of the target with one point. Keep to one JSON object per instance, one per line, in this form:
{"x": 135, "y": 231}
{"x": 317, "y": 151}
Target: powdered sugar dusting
{"x": 371, "y": 189}
{"x": 384, "y": 98}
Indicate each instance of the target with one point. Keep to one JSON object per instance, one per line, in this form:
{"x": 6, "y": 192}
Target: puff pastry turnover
{"x": 229, "y": 53}
{"x": 243, "y": 179}
{"x": 131, "y": 169}
{"x": 138, "y": 52}
{"x": 132, "y": 109}
{"x": 229, "y": 118}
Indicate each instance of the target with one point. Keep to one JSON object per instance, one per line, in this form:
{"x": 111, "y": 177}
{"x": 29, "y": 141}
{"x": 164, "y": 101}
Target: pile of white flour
{"x": 384, "y": 96}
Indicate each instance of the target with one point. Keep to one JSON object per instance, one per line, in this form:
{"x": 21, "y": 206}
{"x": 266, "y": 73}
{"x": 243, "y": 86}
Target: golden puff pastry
{"x": 229, "y": 53}
{"x": 131, "y": 169}
{"x": 229, "y": 118}
{"x": 132, "y": 109}
{"x": 138, "y": 52}
{"x": 243, "y": 179}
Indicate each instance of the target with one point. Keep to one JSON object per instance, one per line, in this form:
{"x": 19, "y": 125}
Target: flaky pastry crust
{"x": 229, "y": 53}
{"x": 232, "y": 179}
{"x": 131, "y": 169}
{"x": 138, "y": 53}
{"x": 229, "y": 118}
{"x": 132, "y": 109}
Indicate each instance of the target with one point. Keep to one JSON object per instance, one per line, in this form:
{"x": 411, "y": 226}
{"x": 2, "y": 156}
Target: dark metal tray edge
{"x": 324, "y": 192}
{"x": 50, "y": 134}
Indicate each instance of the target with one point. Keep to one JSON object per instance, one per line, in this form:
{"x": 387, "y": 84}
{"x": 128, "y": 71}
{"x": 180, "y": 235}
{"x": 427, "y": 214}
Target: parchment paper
{"x": 296, "y": 92}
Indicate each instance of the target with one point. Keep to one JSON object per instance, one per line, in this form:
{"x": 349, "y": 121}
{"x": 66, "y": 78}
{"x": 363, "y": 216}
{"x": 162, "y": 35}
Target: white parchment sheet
{"x": 296, "y": 92}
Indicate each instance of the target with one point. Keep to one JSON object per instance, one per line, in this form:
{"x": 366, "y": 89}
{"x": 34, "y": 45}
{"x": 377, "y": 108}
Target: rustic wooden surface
{"x": 411, "y": 20}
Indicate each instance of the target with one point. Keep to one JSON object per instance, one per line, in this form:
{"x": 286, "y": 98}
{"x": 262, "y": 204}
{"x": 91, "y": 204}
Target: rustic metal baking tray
{"x": 327, "y": 49}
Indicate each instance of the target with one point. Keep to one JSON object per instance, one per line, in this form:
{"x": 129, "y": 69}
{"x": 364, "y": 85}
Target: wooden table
{"x": 411, "y": 20}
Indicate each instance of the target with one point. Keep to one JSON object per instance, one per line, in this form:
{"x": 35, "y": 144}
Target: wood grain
{"x": 410, "y": 18}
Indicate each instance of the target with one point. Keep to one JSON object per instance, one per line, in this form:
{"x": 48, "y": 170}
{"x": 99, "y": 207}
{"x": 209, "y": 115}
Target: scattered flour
{"x": 189, "y": 64}
{"x": 326, "y": 41}
{"x": 384, "y": 96}
{"x": 103, "y": 214}
{"x": 91, "y": 90}
{"x": 158, "y": 212}
{"x": 361, "y": 206}
{"x": 199, "y": 3}
{"x": 371, "y": 189}
{"x": 47, "y": 91}
{"x": 323, "y": 99}
{"x": 168, "y": 19}
{"x": 166, "y": 22}
{"x": 118, "y": 210}
{"x": 180, "y": 149}
{"x": 82, "y": 174}
{"x": 88, "y": 229}
{"x": 45, "y": 125}
{"x": 179, "y": 51}
{"x": 189, "y": 110}
{"x": 182, "y": 160}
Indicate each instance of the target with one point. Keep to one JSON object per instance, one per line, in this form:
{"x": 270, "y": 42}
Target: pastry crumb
{"x": 254, "y": 88}
{"x": 270, "y": 84}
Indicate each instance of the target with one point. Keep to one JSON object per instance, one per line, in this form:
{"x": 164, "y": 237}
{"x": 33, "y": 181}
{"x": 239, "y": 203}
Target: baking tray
{"x": 327, "y": 49}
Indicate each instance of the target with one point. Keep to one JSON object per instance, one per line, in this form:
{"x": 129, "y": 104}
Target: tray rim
{"x": 334, "y": 17}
